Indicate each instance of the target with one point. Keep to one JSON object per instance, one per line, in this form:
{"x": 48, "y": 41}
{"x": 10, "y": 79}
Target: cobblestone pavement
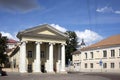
{"x": 69, "y": 76}
{"x": 111, "y": 76}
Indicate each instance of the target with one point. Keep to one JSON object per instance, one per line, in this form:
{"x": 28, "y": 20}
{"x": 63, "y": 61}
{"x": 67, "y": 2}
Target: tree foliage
{"x": 71, "y": 44}
{"x": 3, "y": 46}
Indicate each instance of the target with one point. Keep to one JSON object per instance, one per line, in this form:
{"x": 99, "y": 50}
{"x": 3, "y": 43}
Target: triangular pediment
{"x": 43, "y": 31}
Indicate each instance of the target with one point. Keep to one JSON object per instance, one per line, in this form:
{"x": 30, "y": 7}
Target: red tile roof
{"x": 11, "y": 41}
{"x": 111, "y": 41}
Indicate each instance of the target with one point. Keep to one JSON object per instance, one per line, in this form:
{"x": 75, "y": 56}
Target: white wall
{"x": 98, "y": 55}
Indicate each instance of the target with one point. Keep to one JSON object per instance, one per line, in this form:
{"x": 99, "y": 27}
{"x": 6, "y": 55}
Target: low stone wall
{"x": 10, "y": 69}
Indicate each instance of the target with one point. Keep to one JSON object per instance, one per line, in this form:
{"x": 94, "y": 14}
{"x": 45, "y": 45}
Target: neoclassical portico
{"x": 42, "y": 49}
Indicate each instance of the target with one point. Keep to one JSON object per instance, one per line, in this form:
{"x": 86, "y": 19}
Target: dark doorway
{"x": 43, "y": 68}
{"x": 29, "y": 68}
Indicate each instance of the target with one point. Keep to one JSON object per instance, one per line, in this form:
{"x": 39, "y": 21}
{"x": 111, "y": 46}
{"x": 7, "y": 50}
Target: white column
{"x": 59, "y": 59}
{"x": 22, "y": 65}
{"x": 47, "y": 58}
{"x": 50, "y": 58}
{"x": 38, "y": 58}
{"x": 63, "y": 58}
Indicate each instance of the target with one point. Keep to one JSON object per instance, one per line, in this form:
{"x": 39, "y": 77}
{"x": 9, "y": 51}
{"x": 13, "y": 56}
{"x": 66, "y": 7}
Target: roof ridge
{"x": 33, "y": 28}
{"x": 40, "y": 27}
{"x": 110, "y": 41}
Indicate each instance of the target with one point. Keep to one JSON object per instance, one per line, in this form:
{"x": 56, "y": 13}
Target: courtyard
{"x": 69, "y": 76}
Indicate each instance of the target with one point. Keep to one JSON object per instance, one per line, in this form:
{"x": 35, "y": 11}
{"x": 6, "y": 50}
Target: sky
{"x": 91, "y": 20}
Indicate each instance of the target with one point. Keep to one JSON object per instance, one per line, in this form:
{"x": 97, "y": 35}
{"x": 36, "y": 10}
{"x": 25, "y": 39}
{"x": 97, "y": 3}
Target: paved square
{"x": 69, "y": 76}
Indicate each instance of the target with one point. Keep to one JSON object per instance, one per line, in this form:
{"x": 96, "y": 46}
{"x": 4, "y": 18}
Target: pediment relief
{"x": 46, "y": 32}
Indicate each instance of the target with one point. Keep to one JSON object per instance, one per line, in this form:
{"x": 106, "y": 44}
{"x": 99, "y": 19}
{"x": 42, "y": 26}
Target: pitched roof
{"x": 76, "y": 52}
{"x": 11, "y": 41}
{"x": 110, "y": 41}
{"x": 32, "y": 32}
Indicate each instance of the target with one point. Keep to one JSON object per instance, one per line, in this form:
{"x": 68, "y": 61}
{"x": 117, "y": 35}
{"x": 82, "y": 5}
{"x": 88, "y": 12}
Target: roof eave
{"x": 99, "y": 47}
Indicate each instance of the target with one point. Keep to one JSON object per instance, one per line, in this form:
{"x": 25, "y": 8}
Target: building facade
{"x": 11, "y": 47}
{"x": 76, "y": 60}
{"x": 11, "y": 43}
{"x": 103, "y": 56}
{"x": 42, "y": 49}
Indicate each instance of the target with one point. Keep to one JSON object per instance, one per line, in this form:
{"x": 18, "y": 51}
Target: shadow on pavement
{"x": 111, "y": 76}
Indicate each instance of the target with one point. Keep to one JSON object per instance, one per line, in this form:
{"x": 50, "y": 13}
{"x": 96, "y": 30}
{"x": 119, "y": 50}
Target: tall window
{"x": 104, "y": 53}
{"x": 42, "y": 54}
{"x": 86, "y": 55}
{"x": 104, "y": 65}
{"x": 78, "y": 64}
{"x": 30, "y": 55}
{"x": 112, "y": 53}
{"x": 85, "y": 65}
{"x": 91, "y": 65}
{"x": 14, "y": 63}
{"x": 29, "y": 67}
{"x": 91, "y": 54}
{"x": 112, "y": 65}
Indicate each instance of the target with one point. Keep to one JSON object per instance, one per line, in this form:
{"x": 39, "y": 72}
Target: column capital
{"x": 38, "y": 42}
{"x": 51, "y": 43}
{"x": 23, "y": 42}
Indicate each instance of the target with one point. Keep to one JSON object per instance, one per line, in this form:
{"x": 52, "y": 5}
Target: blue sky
{"x": 92, "y": 20}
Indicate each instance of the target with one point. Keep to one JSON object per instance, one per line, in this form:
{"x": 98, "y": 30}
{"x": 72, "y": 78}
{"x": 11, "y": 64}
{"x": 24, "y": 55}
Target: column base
{"x": 51, "y": 72}
{"x": 63, "y": 72}
{"x": 23, "y": 71}
{"x": 37, "y": 72}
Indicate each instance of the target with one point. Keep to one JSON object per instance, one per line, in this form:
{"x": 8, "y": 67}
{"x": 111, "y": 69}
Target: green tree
{"x": 3, "y": 46}
{"x": 71, "y": 44}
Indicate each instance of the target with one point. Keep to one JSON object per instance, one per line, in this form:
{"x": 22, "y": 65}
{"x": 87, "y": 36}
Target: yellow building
{"x": 103, "y": 56}
{"x": 42, "y": 49}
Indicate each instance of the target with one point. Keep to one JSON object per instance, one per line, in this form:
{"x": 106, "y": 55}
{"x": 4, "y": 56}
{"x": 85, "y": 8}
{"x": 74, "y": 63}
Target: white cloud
{"x": 10, "y": 36}
{"x": 117, "y": 12}
{"x": 107, "y": 10}
{"x": 59, "y": 27}
{"x": 89, "y": 36}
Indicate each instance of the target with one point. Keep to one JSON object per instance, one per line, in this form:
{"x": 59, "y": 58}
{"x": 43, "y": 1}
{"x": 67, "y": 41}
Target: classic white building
{"x": 11, "y": 46}
{"x": 42, "y": 49}
{"x": 103, "y": 56}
